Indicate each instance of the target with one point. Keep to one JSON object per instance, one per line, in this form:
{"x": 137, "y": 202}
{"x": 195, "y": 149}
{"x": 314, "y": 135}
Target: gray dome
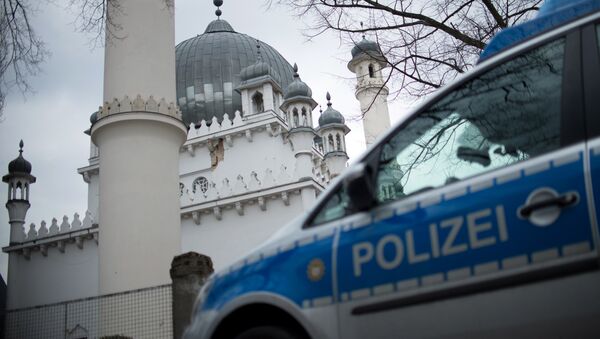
{"x": 297, "y": 88}
{"x": 365, "y": 46}
{"x": 218, "y": 26}
{"x": 208, "y": 69}
{"x": 257, "y": 70}
{"x": 19, "y": 165}
{"x": 330, "y": 115}
{"x": 94, "y": 117}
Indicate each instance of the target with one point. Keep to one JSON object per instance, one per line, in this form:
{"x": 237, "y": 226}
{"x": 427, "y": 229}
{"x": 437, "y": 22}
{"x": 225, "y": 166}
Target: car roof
{"x": 552, "y": 14}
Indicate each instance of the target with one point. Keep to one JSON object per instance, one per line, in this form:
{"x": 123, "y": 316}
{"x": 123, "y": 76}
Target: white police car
{"x": 476, "y": 216}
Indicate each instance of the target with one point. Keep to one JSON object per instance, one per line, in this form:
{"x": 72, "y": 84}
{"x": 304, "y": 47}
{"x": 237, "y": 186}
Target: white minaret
{"x": 138, "y": 133}
{"x": 332, "y": 130}
{"x": 367, "y": 63}
{"x": 298, "y": 105}
{"x": 19, "y": 179}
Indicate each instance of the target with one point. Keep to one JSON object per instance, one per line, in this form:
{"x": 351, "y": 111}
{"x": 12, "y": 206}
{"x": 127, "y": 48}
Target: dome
{"x": 365, "y": 46}
{"x": 330, "y": 115}
{"x": 19, "y": 165}
{"x": 258, "y": 69}
{"x": 297, "y": 88}
{"x": 218, "y": 26}
{"x": 209, "y": 66}
{"x": 255, "y": 71}
{"x": 94, "y": 117}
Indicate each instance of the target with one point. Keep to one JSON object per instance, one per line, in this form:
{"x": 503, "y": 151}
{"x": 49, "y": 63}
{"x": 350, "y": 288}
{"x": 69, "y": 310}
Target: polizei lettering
{"x": 483, "y": 228}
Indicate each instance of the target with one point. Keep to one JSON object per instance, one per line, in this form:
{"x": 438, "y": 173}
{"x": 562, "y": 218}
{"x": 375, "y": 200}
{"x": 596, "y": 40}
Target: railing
{"x": 143, "y": 313}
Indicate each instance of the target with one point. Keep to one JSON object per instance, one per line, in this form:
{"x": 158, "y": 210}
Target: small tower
{"x": 259, "y": 87}
{"x": 332, "y": 130}
{"x": 367, "y": 63}
{"x": 18, "y": 179}
{"x": 298, "y": 105}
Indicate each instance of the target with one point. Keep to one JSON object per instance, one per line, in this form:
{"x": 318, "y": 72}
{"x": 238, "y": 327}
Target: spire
{"x": 218, "y": 12}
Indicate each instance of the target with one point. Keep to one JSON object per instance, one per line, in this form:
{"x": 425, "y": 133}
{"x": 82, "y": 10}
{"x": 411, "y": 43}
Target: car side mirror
{"x": 360, "y": 188}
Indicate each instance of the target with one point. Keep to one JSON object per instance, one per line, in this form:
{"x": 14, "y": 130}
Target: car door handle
{"x": 562, "y": 201}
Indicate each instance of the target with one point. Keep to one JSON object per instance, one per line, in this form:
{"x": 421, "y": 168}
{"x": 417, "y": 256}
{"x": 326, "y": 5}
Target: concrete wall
{"x": 242, "y": 157}
{"x": 54, "y": 278}
{"x": 228, "y": 239}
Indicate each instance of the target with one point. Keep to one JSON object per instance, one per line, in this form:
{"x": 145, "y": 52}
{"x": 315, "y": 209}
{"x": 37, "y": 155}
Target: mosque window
{"x": 257, "y": 102}
{"x": 371, "y": 71}
{"x": 200, "y": 183}
{"x": 338, "y": 142}
{"x": 295, "y": 117}
{"x": 181, "y": 187}
{"x": 330, "y": 145}
{"x": 304, "y": 119}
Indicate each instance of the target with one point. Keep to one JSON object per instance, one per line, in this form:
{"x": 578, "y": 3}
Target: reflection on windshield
{"x": 508, "y": 114}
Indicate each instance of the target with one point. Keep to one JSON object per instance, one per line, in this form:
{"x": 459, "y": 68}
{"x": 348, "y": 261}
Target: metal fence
{"x": 144, "y": 313}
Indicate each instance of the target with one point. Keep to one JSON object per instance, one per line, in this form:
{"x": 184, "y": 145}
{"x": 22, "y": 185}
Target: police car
{"x": 476, "y": 216}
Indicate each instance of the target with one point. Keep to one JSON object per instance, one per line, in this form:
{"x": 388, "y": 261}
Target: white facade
{"x": 156, "y": 190}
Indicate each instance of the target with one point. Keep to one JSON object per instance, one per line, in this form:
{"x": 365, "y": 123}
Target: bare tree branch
{"x": 426, "y": 43}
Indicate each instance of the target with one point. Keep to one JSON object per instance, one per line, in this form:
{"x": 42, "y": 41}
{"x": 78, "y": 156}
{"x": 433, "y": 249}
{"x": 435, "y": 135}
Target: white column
{"x": 139, "y": 225}
{"x": 140, "y": 56}
{"x": 268, "y": 97}
{"x": 376, "y": 118}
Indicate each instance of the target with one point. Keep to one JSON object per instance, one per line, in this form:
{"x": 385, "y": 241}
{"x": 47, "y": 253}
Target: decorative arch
{"x": 304, "y": 120}
{"x": 338, "y": 142}
{"x": 295, "y": 117}
{"x": 330, "y": 143}
{"x": 258, "y": 104}
{"x": 371, "y": 71}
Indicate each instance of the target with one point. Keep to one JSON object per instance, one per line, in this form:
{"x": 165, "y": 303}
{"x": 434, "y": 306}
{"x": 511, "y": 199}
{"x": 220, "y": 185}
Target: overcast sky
{"x": 51, "y": 121}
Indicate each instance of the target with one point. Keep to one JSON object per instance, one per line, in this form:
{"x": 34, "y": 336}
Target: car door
{"x": 481, "y": 197}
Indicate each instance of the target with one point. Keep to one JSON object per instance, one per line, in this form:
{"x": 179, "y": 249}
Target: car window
{"x": 336, "y": 206}
{"x": 598, "y": 35}
{"x": 508, "y": 114}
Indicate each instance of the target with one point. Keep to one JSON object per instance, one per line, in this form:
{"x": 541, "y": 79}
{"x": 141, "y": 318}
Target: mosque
{"x": 212, "y": 158}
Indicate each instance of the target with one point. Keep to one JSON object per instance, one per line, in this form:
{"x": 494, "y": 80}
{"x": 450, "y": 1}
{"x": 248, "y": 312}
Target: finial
{"x": 296, "y": 70}
{"x": 320, "y": 109}
{"x": 218, "y": 3}
{"x": 361, "y": 27}
{"x": 328, "y": 97}
{"x": 258, "y": 56}
{"x": 21, "y": 144}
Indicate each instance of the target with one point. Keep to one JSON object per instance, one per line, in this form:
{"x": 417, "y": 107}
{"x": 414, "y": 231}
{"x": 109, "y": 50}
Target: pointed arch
{"x": 295, "y": 118}
{"x": 304, "y": 120}
{"x": 338, "y": 142}
{"x": 330, "y": 143}
{"x": 371, "y": 71}
{"x": 258, "y": 104}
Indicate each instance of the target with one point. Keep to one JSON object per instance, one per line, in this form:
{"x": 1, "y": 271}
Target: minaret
{"x": 138, "y": 132}
{"x": 298, "y": 105}
{"x": 332, "y": 130}
{"x": 18, "y": 179}
{"x": 367, "y": 63}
